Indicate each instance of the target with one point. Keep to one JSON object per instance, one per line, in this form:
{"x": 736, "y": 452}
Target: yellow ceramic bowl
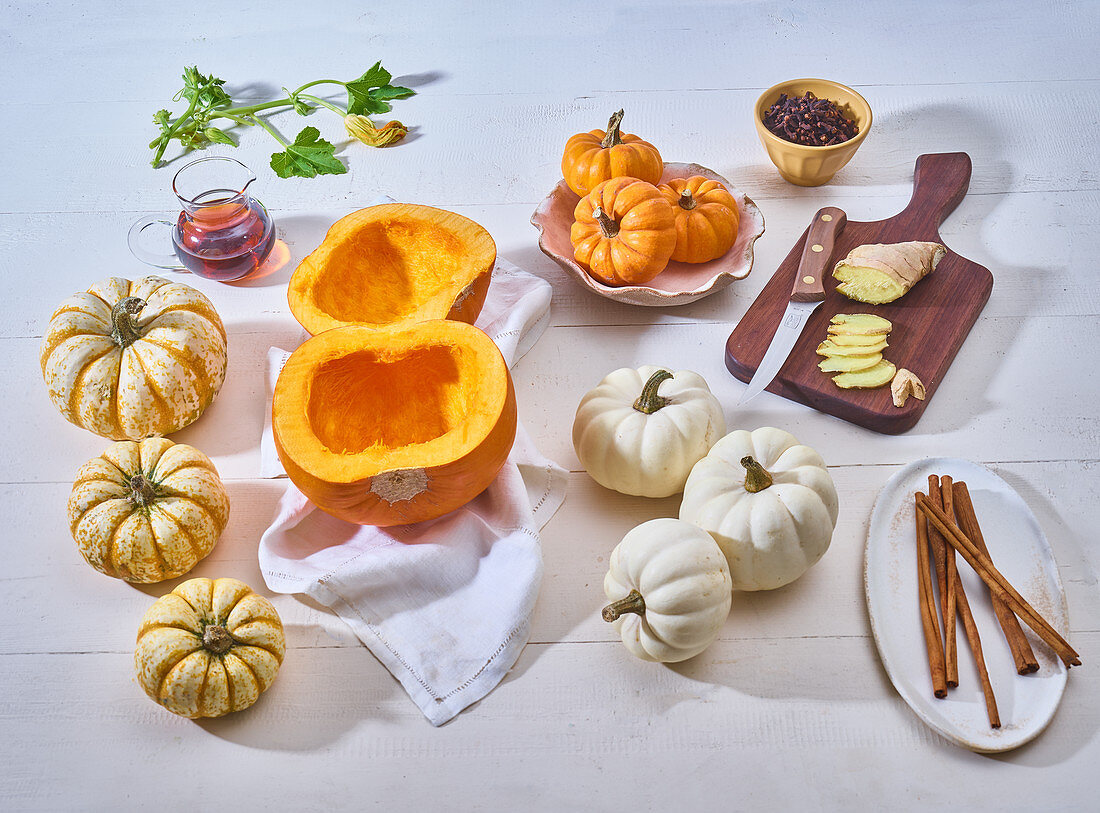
{"x": 812, "y": 166}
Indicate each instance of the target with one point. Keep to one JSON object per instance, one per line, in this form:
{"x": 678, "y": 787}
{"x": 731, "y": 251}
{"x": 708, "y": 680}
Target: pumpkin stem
{"x": 124, "y": 330}
{"x": 611, "y": 137}
{"x": 608, "y": 226}
{"x": 217, "y": 639}
{"x": 756, "y": 476}
{"x": 649, "y": 401}
{"x": 142, "y": 492}
{"x": 687, "y": 200}
{"x": 633, "y": 603}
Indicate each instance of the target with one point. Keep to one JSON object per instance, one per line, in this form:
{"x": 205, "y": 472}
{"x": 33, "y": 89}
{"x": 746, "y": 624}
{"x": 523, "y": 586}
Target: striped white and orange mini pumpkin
{"x": 208, "y": 648}
{"x": 129, "y": 360}
{"x": 147, "y": 511}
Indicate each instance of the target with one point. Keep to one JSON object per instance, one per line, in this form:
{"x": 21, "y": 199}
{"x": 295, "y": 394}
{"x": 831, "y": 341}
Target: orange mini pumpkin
{"x": 623, "y": 232}
{"x": 706, "y": 218}
{"x": 593, "y": 157}
{"x": 387, "y": 426}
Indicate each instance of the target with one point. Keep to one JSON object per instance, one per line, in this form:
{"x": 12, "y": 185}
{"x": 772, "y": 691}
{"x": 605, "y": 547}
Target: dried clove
{"x": 809, "y": 121}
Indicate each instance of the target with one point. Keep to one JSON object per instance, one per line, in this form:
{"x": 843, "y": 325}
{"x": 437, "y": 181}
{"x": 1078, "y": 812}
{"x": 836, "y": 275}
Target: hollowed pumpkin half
{"x": 398, "y": 425}
{"x": 394, "y": 264}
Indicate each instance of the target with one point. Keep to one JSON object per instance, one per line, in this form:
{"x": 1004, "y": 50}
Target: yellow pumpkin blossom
{"x": 363, "y": 128}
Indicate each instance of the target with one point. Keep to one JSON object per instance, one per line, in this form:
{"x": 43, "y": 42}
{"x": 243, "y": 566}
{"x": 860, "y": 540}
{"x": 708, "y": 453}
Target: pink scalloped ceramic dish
{"x": 679, "y": 283}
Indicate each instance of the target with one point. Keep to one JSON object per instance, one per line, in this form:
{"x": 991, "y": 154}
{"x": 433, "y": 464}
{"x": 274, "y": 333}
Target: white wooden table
{"x": 790, "y": 707}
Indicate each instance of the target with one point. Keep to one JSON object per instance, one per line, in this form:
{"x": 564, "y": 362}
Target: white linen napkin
{"x": 445, "y": 605}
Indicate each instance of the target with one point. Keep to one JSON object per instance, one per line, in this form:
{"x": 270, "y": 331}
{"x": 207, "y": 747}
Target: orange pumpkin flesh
{"x": 394, "y": 264}
{"x": 395, "y": 425}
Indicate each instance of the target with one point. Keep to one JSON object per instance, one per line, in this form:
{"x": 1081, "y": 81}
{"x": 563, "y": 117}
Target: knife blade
{"x": 806, "y": 295}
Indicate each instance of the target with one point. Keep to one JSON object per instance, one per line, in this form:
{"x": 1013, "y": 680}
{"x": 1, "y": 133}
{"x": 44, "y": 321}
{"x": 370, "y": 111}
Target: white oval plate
{"x": 1026, "y": 703}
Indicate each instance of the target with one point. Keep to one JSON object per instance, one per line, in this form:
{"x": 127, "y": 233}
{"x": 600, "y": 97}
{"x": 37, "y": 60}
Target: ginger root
{"x": 881, "y": 273}
{"x": 904, "y": 385}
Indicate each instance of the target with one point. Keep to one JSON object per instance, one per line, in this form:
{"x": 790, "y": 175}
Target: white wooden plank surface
{"x": 507, "y": 148}
{"x": 790, "y": 707}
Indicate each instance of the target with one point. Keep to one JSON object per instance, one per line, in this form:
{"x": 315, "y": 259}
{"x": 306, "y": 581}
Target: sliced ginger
{"x": 857, "y": 340}
{"x": 848, "y": 364}
{"x": 876, "y": 376}
{"x": 854, "y": 350}
{"x": 830, "y": 349}
{"x": 882, "y": 272}
{"x": 859, "y": 324}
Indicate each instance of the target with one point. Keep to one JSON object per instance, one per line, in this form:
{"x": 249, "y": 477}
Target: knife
{"x": 807, "y": 294}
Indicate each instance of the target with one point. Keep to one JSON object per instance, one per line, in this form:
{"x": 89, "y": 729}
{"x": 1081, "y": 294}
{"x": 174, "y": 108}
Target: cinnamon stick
{"x": 957, "y": 603}
{"x": 967, "y": 520}
{"x": 939, "y": 550}
{"x": 950, "y": 601}
{"x": 932, "y": 641}
{"x": 976, "y": 647}
{"x": 997, "y": 583}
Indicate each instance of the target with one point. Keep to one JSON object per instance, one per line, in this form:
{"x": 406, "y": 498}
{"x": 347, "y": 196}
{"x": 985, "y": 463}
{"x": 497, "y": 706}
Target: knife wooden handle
{"x": 809, "y": 284}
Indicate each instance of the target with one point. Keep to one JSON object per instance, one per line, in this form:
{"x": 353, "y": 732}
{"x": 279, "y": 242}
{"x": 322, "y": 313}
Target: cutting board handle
{"x": 940, "y": 181}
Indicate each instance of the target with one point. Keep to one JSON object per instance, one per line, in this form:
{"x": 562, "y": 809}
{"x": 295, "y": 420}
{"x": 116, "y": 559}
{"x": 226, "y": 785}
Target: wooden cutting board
{"x": 930, "y": 322}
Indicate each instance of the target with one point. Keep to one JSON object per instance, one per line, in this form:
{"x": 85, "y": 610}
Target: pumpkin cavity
{"x": 393, "y": 264}
{"x": 414, "y": 398}
{"x": 387, "y": 272}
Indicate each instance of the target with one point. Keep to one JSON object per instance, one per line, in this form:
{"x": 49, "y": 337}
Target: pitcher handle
{"x": 138, "y": 238}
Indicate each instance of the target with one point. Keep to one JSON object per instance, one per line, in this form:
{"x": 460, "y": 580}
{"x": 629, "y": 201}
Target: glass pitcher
{"x": 222, "y": 233}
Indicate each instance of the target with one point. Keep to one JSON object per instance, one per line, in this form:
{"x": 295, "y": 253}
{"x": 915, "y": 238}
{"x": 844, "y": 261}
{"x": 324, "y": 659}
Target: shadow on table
{"x": 950, "y": 127}
{"x": 310, "y": 706}
{"x": 243, "y": 398}
{"x": 814, "y": 667}
{"x": 1077, "y": 720}
{"x": 575, "y": 557}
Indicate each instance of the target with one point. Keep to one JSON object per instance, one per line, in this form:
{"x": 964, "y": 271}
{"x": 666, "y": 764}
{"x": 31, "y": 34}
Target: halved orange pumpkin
{"x": 395, "y": 425}
{"x": 393, "y": 264}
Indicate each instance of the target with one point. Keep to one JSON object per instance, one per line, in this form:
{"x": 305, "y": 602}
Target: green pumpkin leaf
{"x": 375, "y": 76}
{"x": 392, "y": 92}
{"x": 309, "y": 156}
{"x": 370, "y": 92}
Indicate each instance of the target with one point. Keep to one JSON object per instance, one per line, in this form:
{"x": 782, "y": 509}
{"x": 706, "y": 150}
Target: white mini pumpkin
{"x": 768, "y": 501}
{"x": 631, "y": 438}
{"x": 128, "y": 360}
{"x": 670, "y": 590}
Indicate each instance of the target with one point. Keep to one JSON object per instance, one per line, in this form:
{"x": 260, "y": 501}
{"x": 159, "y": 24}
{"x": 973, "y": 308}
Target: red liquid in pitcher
{"x": 224, "y": 241}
